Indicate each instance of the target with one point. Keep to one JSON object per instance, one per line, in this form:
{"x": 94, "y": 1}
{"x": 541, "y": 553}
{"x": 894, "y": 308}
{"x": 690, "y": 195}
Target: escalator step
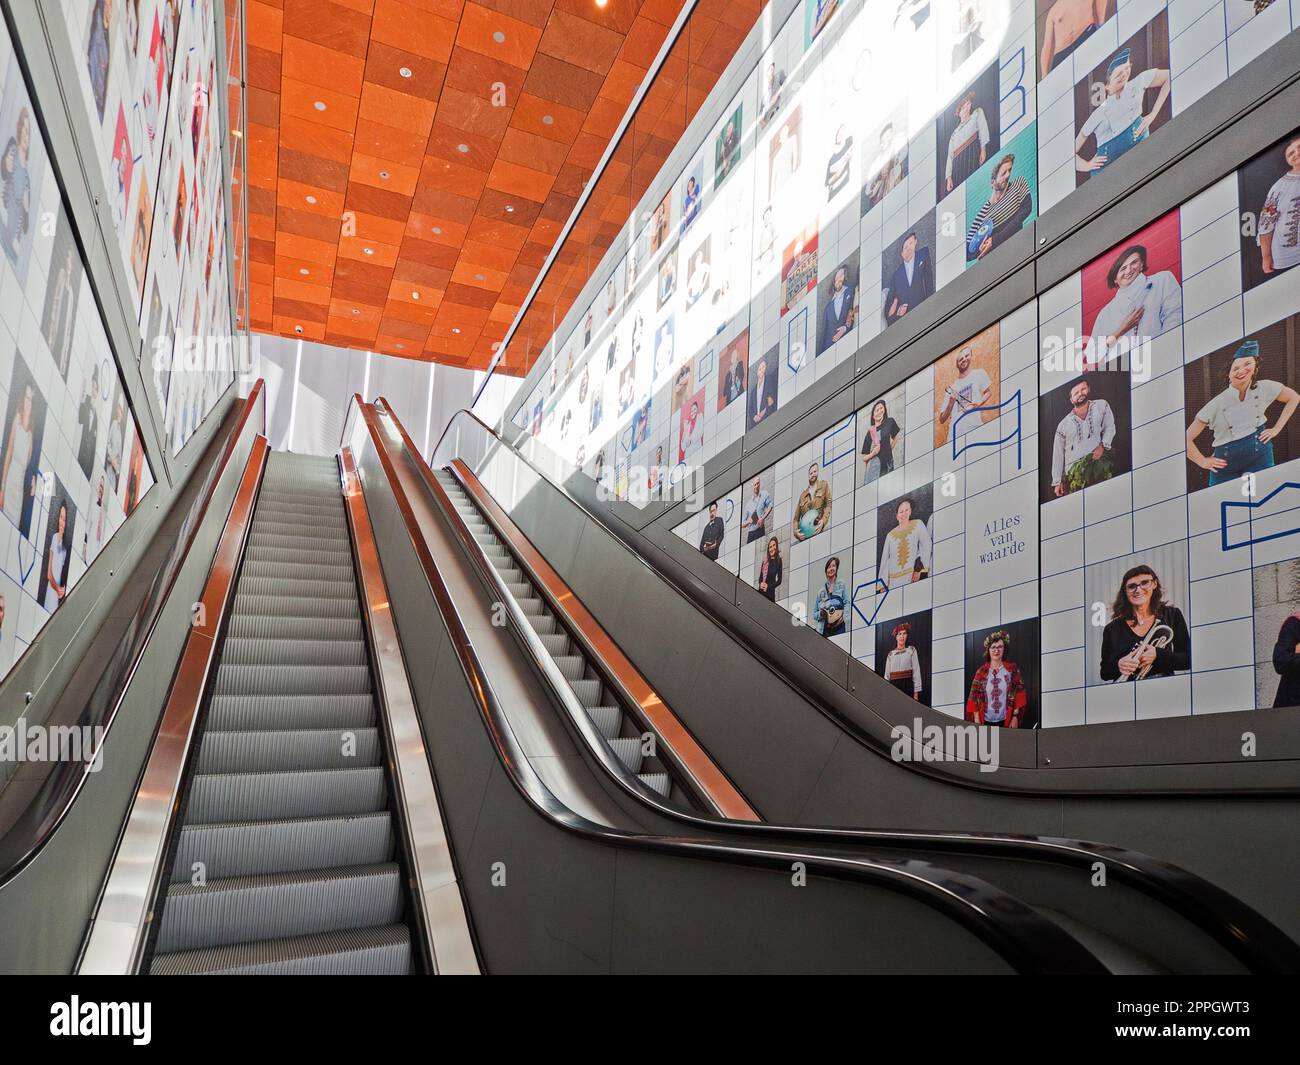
{"x": 379, "y": 951}
{"x": 227, "y": 797}
{"x": 587, "y": 691}
{"x": 294, "y": 588}
{"x": 519, "y": 589}
{"x": 303, "y": 571}
{"x": 572, "y": 666}
{"x": 608, "y": 719}
{"x": 656, "y": 782}
{"x": 258, "y": 847}
{"x": 246, "y": 908}
{"x": 275, "y": 534}
{"x": 273, "y": 606}
{"x": 256, "y": 627}
{"x": 274, "y": 750}
{"x": 313, "y": 556}
{"x": 271, "y": 712}
{"x": 246, "y": 651}
{"x": 628, "y": 749}
{"x": 556, "y": 644}
{"x": 532, "y": 607}
{"x": 292, "y": 680}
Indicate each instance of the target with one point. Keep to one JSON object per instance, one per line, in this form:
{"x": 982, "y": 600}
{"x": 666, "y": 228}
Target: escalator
{"x": 1155, "y": 918}
{"x": 288, "y": 815}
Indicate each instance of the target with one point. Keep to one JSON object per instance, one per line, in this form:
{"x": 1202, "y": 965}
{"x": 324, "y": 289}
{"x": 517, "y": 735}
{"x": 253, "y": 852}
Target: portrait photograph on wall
{"x": 969, "y": 130}
{"x": 829, "y": 608}
{"x": 903, "y": 654}
{"x": 905, "y": 533}
{"x": 62, "y": 291}
{"x": 769, "y": 565}
{"x": 1064, "y": 25}
{"x": 1268, "y": 188}
{"x": 20, "y": 452}
{"x": 814, "y": 507}
{"x": 733, "y": 369}
{"x": 22, "y": 167}
{"x": 837, "y": 303}
{"x": 757, "y": 507}
{"x": 1240, "y": 403}
{"x": 884, "y": 159}
{"x": 1123, "y": 100}
{"x": 1000, "y": 196}
{"x": 1275, "y": 595}
{"x": 907, "y": 271}
{"x": 785, "y": 152}
{"x": 1085, "y": 431}
{"x": 1143, "y": 598}
{"x": 56, "y": 558}
{"x": 726, "y": 148}
{"x": 1133, "y": 293}
{"x": 1001, "y": 670}
{"x": 798, "y": 268}
{"x": 881, "y": 430}
{"x": 967, "y": 386}
{"x": 763, "y": 394}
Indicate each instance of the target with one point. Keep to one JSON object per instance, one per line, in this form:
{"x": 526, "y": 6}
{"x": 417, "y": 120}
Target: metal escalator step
{"x": 246, "y": 651}
{"x": 656, "y": 782}
{"x": 284, "y": 750}
{"x": 556, "y": 644}
{"x": 292, "y": 680}
{"x": 511, "y": 574}
{"x": 311, "y": 571}
{"x": 247, "y": 908}
{"x": 543, "y": 624}
{"x": 245, "y": 712}
{"x": 587, "y": 691}
{"x": 520, "y": 589}
{"x": 533, "y": 607}
{"x": 305, "y": 517}
{"x": 289, "y": 535}
{"x": 247, "y": 604}
{"x": 608, "y": 719}
{"x": 299, "y": 589}
{"x": 227, "y": 797}
{"x": 380, "y": 951}
{"x": 314, "y": 556}
{"x": 257, "y": 627}
{"x": 324, "y": 501}
{"x": 628, "y": 749}
{"x": 258, "y": 847}
{"x": 572, "y": 666}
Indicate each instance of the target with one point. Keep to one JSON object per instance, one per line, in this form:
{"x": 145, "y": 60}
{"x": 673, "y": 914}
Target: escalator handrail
{"x": 32, "y": 829}
{"x": 118, "y": 935}
{"x": 1254, "y": 940}
{"x": 692, "y": 767}
{"x": 1022, "y": 936}
{"x": 443, "y": 926}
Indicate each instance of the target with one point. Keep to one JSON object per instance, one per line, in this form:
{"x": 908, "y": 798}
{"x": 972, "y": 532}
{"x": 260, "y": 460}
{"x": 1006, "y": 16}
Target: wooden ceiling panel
{"x": 412, "y": 162}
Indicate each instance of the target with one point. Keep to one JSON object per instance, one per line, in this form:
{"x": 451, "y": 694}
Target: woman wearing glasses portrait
{"x": 1146, "y": 636}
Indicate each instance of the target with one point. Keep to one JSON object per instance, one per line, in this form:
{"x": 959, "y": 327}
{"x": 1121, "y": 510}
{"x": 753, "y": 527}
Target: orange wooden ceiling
{"x": 394, "y": 207}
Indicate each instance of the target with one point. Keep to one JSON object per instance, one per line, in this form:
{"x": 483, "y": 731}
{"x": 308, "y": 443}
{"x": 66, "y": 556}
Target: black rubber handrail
{"x": 50, "y": 804}
{"x": 1249, "y": 936}
{"x": 1023, "y": 937}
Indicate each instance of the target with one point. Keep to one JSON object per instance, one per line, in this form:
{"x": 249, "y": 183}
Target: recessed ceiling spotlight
{"x": 319, "y": 105}
{"x": 601, "y": 3}
{"x": 304, "y": 271}
{"x": 311, "y": 199}
{"x": 401, "y": 345}
{"x": 404, "y": 71}
{"x": 478, "y": 277}
{"x": 369, "y": 251}
{"x": 499, "y": 37}
{"x": 437, "y": 229}
{"x": 383, "y": 174}
{"x": 356, "y": 310}
{"x": 415, "y": 295}
{"x": 297, "y": 329}
{"x": 547, "y": 120}
{"x": 462, "y": 148}
{"x": 509, "y": 209}
{"x": 455, "y": 329}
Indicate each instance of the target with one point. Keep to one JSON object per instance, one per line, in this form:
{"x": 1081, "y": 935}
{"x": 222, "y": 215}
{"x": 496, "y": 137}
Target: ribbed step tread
{"x": 247, "y": 908}
{"x": 656, "y": 782}
{"x": 291, "y": 533}
{"x": 292, "y": 680}
{"x": 556, "y": 643}
{"x": 295, "y": 588}
{"x": 248, "y": 604}
{"x": 250, "y": 651}
{"x": 628, "y": 749}
{"x": 608, "y": 719}
{"x": 259, "y": 847}
{"x": 258, "y": 627}
{"x": 571, "y": 666}
{"x": 306, "y": 571}
{"x": 587, "y": 691}
{"x": 299, "y": 555}
{"x": 283, "y": 750}
{"x": 228, "y": 797}
{"x": 384, "y": 950}
{"x": 247, "y": 712}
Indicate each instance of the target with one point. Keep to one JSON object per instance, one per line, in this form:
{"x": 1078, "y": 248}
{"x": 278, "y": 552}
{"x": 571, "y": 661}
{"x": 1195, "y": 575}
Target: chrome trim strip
{"x": 120, "y": 926}
{"x": 443, "y": 920}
